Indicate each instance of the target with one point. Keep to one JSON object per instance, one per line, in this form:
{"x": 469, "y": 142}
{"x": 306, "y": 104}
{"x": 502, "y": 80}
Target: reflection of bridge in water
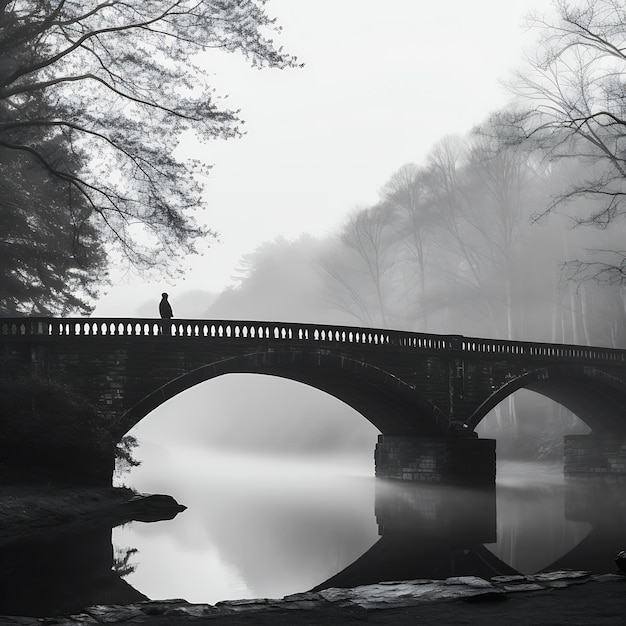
{"x": 426, "y": 533}
{"x": 425, "y": 393}
{"x": 605, "y": 510}
{"x": 439, "y": 532}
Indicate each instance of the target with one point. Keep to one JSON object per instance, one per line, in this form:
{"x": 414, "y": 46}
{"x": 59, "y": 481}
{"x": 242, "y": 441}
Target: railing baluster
{"x": 59, "y": 328}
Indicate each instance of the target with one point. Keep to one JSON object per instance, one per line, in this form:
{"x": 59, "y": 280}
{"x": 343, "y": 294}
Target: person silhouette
{"x": 164, "y": 308}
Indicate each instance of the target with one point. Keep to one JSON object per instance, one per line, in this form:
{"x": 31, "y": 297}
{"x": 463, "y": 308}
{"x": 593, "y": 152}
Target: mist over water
{"x": 533, "y": 531}
{"x": 278, "y": 477}
{"x": 260, "y": 415}
{"x": 278, "y": 481}
{"x": 255, "y": 526}
{"x": 266, "y": 527}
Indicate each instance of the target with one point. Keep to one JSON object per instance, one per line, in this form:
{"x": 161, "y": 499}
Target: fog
{"x": 479, "y": 236}
{"x": 463, "y": 281}
{"x": 254, "y": 528}
{"x": 388, "y": 184}
{"x": 256, "y": 415}
{"x": 258, "y": 527}
{"x": 263, "y": 462}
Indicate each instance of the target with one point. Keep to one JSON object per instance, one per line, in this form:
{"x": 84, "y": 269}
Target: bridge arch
{"x": 593, "y": 395}
{"x": 387, "y": 402}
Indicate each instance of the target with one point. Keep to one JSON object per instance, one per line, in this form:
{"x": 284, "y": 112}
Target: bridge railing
{"x": 293, "y": 332}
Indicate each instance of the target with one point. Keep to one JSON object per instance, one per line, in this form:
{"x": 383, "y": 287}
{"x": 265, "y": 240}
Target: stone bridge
{"x": 426, "y": 393}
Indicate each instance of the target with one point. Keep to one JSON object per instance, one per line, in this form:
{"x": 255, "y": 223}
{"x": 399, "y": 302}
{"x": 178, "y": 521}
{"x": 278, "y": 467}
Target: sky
{"x": 382, "y": 83}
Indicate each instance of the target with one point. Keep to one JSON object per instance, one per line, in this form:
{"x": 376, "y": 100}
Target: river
{"x": 272, "y": 526}
{"x": 269, "y": 526}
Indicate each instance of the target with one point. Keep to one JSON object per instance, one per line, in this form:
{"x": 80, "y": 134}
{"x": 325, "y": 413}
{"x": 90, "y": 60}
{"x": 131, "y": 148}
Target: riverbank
{"x": 31, "y": 508}
{"x": 557, "y": 599}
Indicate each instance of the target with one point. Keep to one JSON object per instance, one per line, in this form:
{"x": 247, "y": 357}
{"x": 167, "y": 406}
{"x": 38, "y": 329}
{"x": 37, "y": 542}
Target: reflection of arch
{"x": 439, "y": 532}
{"x": 390, "y": 404}
{"x": 428, "y": 532}
{"x": 604, "y": 508}
{"x": 596, "y": 397}
{"x": 398, "y": 557}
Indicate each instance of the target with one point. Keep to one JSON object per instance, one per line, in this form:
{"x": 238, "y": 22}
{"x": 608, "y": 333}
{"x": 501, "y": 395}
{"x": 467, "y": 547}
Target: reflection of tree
{"x": 121, "y": 558}
{"x": 63, "y": 570}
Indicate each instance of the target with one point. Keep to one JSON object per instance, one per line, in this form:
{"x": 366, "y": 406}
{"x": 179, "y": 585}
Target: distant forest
{"x": 515, "y": 230}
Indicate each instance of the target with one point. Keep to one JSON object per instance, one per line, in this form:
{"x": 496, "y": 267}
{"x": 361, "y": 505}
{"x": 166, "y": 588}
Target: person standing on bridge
{"x": 165, "y": 310}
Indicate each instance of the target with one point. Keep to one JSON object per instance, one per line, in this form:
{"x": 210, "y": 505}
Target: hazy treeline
{"x": 479, "y": 238}
{"x": 511, "y": 231}
{"x": 458, "y": 245}
{"x": 455, "y": 245}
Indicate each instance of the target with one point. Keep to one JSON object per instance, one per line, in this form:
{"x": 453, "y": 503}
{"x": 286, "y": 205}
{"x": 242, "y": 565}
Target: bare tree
{"x": 460, "y": 224}
{"x": 406, "y": 193}
{"x": 506, "y": 197}
{"x": 577, "y": 93}
{"x": 482, "y": 194}
{"x": 362, "y": 266}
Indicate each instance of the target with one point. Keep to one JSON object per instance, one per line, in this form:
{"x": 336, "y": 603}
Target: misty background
{"x": 459, "y": 230}
{"x": 454, "y": 168}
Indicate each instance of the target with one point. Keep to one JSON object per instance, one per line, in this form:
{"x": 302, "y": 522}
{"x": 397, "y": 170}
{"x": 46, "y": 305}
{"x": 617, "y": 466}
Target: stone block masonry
{"x": 422, "y": 459}
{"x": 597, "y": 457}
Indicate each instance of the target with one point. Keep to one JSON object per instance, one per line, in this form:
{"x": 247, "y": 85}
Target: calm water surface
{"x": 266, "y": 527}
{"x": 254, "y": 527}
{"x": 260, "y": 527}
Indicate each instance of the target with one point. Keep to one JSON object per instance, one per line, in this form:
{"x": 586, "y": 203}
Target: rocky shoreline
{"x": 30, "y": 510}
{"x": 562, "y": 597}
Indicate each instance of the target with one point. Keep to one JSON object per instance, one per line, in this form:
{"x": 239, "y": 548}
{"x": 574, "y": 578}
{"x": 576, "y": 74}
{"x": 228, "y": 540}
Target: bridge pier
{"x": 461, "y": 461}
{"x": 596, "y": 457}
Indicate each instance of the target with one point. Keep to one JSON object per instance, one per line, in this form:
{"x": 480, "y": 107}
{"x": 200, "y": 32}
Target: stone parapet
{"x": 424, "y": 459}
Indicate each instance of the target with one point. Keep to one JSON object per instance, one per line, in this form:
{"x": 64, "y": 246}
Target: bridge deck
{"x": 58, "y": 328}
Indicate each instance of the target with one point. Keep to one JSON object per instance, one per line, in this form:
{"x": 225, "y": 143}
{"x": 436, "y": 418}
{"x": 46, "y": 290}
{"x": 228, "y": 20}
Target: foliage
{"x": 278, "y": 280}
{"x": 124, "y": 459}
{"x": 121, "y": 561}
{"x": 95, "y": 99}
{"x": 50, "y": 250}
